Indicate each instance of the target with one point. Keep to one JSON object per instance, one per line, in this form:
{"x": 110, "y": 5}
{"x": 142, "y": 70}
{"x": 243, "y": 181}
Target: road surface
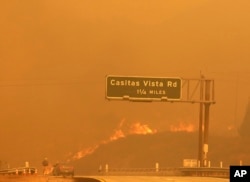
{"x": 153, "y": 179}
{"x": 18, "y": 178}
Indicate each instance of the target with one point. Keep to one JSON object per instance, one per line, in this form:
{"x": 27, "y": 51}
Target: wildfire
{"x": 139, "y": 129}
{"x": 85, "y": 152}
{"x": 188, "y": 127}
{"x": 120, "y": 132}
{"x": 134, "y": 129}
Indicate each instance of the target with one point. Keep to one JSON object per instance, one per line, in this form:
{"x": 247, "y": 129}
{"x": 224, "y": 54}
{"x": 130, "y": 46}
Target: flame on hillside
{"x": 187, "y": 127}
{"x": 139, "y": 129}
{"x": 85, "y": 152}
{"x": 117, "y": 134}
{"x": 120, "y": 132}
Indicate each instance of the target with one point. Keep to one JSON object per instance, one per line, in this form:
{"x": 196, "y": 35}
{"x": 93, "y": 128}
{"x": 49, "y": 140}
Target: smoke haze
{"x": 54, "y": 56}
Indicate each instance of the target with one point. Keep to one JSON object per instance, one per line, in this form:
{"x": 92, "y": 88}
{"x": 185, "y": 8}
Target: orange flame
{"x": 188, "y": 127}
{"x": 139, "y": 129}
{"x": 85, "y": 152}
{"x": 120, "y": 132}
{"x": 117, "y": 134}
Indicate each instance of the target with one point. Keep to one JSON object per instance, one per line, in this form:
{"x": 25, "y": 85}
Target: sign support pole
{"x": 206, "y": 120}
{"x": 205, "y": 102}
{"x": 201, "y": 124}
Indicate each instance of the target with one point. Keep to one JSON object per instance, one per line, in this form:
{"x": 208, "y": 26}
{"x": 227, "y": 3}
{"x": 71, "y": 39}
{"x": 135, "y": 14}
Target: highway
{"x": 110, "y": 179}
{"x": 14, "y": 178}
{"x": 151, "y": 179}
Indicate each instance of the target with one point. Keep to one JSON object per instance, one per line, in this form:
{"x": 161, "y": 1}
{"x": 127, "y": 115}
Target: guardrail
{"x": 181, "y": 171}
{"x": 206, "y": 171}
{"x": 19, "y": 171}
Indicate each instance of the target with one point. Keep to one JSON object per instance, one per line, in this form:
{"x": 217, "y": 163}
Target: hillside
{"x": 168, "y": 149}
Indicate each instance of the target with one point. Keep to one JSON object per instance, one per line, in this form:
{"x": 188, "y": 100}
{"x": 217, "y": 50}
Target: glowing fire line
{"x": 134, "y": 129}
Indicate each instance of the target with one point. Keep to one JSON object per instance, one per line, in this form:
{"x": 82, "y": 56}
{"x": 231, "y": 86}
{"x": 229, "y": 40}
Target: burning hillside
{"x": 123, "y": 130}
{"x": 167, "y": 148}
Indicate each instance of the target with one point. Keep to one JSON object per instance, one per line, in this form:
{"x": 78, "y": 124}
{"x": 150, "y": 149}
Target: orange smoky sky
{"x": 54, "y": 56}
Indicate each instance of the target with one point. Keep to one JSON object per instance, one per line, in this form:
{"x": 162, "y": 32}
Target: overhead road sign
{"x": 143, "y": 88}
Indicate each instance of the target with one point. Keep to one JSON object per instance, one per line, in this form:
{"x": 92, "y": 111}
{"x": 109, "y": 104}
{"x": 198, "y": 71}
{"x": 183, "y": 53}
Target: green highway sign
{"x": 143, "y": 88}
